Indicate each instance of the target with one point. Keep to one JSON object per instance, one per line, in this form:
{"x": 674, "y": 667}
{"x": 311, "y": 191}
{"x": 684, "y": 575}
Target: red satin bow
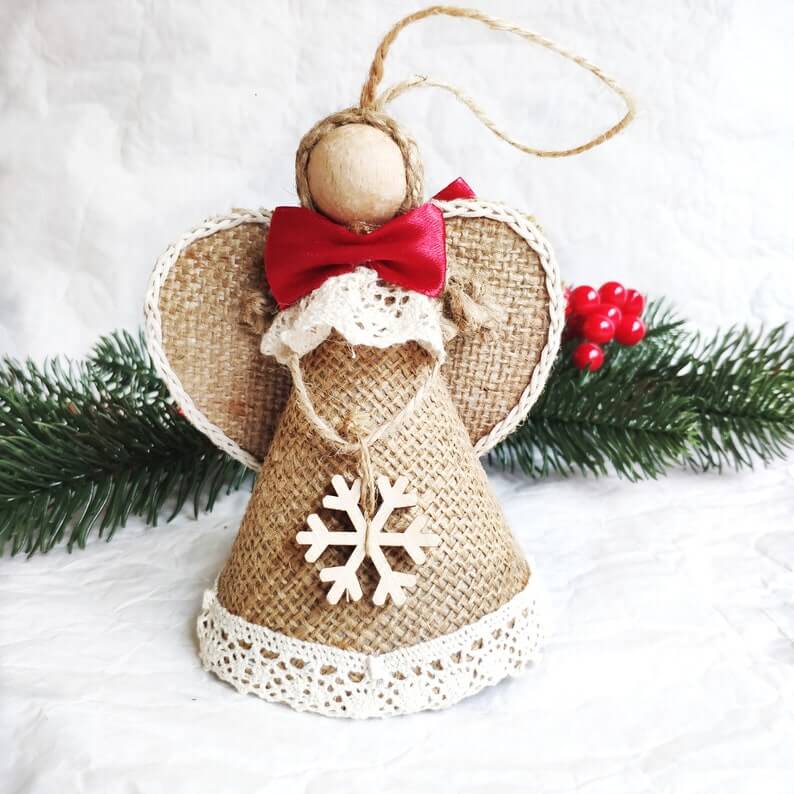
{"x": 304, "y": 249}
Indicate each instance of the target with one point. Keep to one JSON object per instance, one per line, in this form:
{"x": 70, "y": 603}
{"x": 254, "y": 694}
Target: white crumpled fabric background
{"x": 671, "y": 665}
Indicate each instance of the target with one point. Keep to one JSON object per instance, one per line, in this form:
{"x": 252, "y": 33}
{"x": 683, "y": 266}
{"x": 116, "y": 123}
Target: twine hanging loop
{"x": 371, "y": 100}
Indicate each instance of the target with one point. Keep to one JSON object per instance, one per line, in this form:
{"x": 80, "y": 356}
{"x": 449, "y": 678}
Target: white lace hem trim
{"x": 429, "y": 675}
{"x": 363, "y": 309}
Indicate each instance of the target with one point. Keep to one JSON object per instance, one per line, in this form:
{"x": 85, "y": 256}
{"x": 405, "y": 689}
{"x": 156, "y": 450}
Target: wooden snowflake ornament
{"x": 367, "y": 539}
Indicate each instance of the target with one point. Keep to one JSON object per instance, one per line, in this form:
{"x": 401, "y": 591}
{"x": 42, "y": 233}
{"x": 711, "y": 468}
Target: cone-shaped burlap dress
{"x": 470, "y": 618}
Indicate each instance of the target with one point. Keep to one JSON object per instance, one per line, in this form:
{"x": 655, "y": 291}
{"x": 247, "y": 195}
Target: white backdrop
{"x": 672, "y": 667}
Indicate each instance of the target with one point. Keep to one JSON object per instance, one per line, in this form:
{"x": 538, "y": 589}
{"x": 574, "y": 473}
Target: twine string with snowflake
{"x": 368, "y": 538}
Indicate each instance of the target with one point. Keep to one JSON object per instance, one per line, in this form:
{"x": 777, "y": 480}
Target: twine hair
{"x": 257, "y": 310}
{"x": 414, "y": 172}
{"x": 470, "y": 307}
{"x": 370, "y": 100}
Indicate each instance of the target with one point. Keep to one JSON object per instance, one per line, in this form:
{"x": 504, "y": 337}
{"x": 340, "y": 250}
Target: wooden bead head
{"x": 358, "y": 168}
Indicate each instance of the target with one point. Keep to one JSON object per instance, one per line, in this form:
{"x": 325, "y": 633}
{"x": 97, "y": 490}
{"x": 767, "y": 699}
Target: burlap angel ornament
{"x": 384, "y": 345}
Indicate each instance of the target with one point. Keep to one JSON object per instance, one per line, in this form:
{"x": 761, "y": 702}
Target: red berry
{"x": 568, "y": 306}
{"x": 635, "y": 303}
{"x": 597, "y": 327}
{"x": 584, "y": 300}
{"x": 630, "y": 330}
{"x": 613, "y": 292}
{"x": 588, "y": 356}
{"x": 613, "y": 312}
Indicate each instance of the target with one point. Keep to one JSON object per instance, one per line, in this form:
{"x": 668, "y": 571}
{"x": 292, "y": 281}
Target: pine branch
{"x": 124, "y": 361}
{"x": 86, "y": 446}
{"x": 671, "y": 400}
{"x": 742, "y": 387}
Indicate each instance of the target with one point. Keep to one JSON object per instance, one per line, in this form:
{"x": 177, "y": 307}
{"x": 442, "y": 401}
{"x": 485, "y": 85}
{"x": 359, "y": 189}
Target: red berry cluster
{"x": 598, "y": 317}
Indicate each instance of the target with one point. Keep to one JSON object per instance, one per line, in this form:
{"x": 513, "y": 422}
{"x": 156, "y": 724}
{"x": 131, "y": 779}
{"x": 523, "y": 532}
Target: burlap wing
{"x": 200, "y": 342}
{"x": 208, "y": 355}
{"x": 496, "y": 375}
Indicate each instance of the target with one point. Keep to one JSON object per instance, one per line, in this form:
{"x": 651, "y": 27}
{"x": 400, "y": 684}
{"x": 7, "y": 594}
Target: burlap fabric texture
{"x": 477, "y": 566}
